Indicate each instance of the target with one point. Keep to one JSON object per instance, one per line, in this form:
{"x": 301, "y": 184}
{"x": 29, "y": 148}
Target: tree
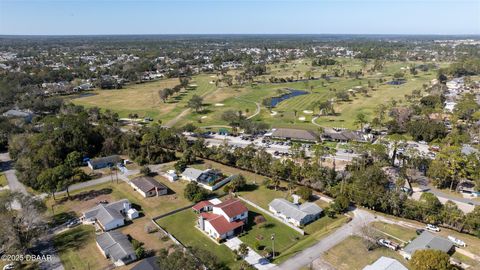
{"x": 340, "y": 204}
{"x": 177, "y": 259}
{"x": 361, "y": 119}
{"x": 194, "y": 192}
{"x": 238, "y": 183}
{"x": 430, "y": 259}
{"x": 196, "y": 103}
{"x": 243, "y": 250}
{"x": 304, "y": 192}
{"x": 145, "y": 170}
{"x": 165, "y": 93}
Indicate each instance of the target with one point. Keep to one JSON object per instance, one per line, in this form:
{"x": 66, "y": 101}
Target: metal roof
{"x": 115, "y": 245}
{"x": 385, "y": 263}
{"x": 429, "y": 241}
{"x": 294, "y": 211}
{"x": 192, "y": 173}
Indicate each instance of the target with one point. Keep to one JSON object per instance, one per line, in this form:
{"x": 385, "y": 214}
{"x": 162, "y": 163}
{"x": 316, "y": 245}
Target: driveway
{"x": 361, "y": 218}
{"x": 253, "y": 258}
{"x": 7, "y": 168}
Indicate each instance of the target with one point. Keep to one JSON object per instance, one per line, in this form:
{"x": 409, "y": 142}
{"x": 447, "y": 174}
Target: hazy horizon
{"x": 248, "y": 17}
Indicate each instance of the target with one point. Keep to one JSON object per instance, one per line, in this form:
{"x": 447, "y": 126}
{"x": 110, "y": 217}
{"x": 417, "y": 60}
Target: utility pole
{"x": 273, "y": 244}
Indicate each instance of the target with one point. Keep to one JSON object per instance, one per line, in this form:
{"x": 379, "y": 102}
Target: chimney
{"x": 201, "y": 223}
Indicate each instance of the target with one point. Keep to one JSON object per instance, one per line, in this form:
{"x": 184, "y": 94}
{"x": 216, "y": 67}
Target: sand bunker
{"x": 307, "y": 112}
{"x": 273, "y": 113}
{"x": 219, "y": 104}
{"x": 203, "y": 117}
{"x": 301, "y": 118}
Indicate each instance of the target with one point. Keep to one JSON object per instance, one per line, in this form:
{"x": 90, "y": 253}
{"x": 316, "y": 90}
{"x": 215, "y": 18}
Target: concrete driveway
{"x": 253, "y": 258}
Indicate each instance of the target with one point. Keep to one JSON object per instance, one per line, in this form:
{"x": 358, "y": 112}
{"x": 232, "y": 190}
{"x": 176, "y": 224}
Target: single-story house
{"x": 148, "y": 186}
{"x": 427, "y": 240}
{"x": 295, "y": 134}
{"x": 149, "y": 263}
{"x": 209, "y": 179}
{"x": 14, "y": 113}
{"x": 225, "y": 219}
{"x": 298, "y": 215}
{"x": 385, "y": 263}
{"x": 103, "y": 162}
{"x": 116, "y": 247}
{"x": 110, "y": 216}
{"x": 191, "y": 174}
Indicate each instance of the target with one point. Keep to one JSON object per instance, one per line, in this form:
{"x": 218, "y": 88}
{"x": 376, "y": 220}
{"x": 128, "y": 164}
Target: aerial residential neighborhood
{"x": 269, "y": 135}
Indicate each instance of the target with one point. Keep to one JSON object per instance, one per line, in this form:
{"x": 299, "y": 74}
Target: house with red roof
{"x": 223, "y": 220}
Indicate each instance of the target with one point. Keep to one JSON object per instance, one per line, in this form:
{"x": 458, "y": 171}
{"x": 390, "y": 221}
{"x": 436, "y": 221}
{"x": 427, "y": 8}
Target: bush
{"x": 145, "y": 170}
{"x": 304, "y": 192}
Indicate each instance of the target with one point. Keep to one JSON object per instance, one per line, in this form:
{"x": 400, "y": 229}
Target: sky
{"x": 90, "y": 17}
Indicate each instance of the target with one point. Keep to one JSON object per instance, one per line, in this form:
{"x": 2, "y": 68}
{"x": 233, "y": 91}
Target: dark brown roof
{"x": 145, "y": 183}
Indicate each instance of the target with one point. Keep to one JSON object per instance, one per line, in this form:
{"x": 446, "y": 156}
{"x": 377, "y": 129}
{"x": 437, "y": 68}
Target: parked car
{"x": 419, "y": 231}
{"x": 432, "y": 228}
{"x": 73, "y": 223}
{"x": 457, "y": 242}
{"x": 389, "y": 244}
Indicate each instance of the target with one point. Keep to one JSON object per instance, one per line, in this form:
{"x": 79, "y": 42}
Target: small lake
{"x": 292, "y": 93}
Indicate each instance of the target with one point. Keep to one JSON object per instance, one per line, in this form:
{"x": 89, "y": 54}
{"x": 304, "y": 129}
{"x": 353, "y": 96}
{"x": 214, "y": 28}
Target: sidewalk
{"x": 253, "y": 258}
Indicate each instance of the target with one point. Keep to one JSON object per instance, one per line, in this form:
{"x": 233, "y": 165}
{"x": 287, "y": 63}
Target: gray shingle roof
{"x": 385, "y": 263}
{"x": 428, "y": 241}
{"x": 107, "y": 213}
{"x": 192, "y": 173}
{"x": 149, "y": 263}
{"x": 294, "y": 211}
{"x": 145, "y": 183}
{"x": 296, "y": 134}
{"x": 115, "y": 245}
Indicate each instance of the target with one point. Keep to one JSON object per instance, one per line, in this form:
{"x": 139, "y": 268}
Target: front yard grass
{"x": 351, "y": 254}
{"x": 77, "y": 249}
{"x": 182, "y": 226}
{"x": 285, "y": 236}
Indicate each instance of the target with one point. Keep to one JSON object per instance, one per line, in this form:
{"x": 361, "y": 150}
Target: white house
{"x": 298, "y": 215}
{"x": 225, "y": 219}
{"x": 110, "y": 216}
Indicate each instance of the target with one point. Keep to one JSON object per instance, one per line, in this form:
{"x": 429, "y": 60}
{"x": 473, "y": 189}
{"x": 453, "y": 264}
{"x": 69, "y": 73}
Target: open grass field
{"x": 77, "y": 249}
{"x": 395, "y": 232}
{"x": 351, "y": 254}
{"x": 143, "y": 98}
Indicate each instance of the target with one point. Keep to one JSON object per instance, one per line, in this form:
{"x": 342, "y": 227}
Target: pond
{"x": 291, "y": 93}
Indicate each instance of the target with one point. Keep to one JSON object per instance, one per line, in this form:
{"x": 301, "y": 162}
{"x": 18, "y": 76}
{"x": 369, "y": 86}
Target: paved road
{"x": 305, "y": 257}
{"x": 6, "y": 164}
{"x": 439, "y": 193}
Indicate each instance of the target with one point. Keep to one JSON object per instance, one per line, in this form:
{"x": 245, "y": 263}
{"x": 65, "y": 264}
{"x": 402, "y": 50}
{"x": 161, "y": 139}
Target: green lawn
{"x": 398, "y": 232}
{"x": 285, "y": 236}
{"x": 351, "y": 254}
{"x": 182, "y": 226}
{"x": 3, "y": 180}
{"x": 78, "y": 250}
{"x": 143, "y": 98}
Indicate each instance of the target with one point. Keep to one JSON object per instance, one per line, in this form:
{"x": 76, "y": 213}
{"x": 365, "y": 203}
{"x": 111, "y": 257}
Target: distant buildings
{"x": 298, "y": 215}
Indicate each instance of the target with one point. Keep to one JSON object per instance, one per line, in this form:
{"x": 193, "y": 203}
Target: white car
{"x": 457, "y": 242}
{"x": 433, "y": 228}
{"x": 9, "y": 266}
